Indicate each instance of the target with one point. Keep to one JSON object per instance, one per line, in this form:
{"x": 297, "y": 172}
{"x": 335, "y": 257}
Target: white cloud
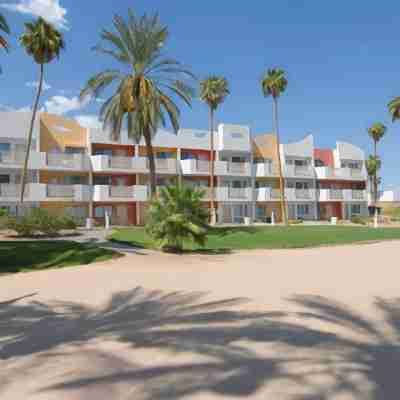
{"x": 63, "y": 105}
{"x": 50, "y": 10}
{"x": 46, "y": 86}
{"x": 4, "y": 107}
{"x": 89, "y": 121}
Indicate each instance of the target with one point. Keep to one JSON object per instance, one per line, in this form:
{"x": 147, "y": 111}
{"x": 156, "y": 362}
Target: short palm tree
{"x": 376, "y": 132}
{"x": 213, "y": 92}
{"x": 142, "y": 94}
{"x": 176, "y": 216}
{"x": 394, "y": 108}
{"x": 6, "y": 29}
{"x": 43, "y": 43}
{"x": 273, "y": 84}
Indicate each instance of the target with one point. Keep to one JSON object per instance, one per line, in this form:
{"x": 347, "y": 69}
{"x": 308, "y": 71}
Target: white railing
{"x": 238, "y": 168}
{"x": 8, "y": 190}
{"x": 122, "y": 191}
{"x": 266, "y": 169}
{"x": 165, "y": 165}
{"x": 12, "y": 157}
{"x": 120, "y": 162}
{"x": 300, "y": 170}
{"x": 238, "y": 193}
{"x": 358, "y": 195}
{"x": 60, "y": 191}
{"x": 303, "y": 194}
{"x": 202, "y": 166}
{"x": 335, "y": 194}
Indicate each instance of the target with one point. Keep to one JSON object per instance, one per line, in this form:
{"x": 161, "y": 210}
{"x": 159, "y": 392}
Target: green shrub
{"x": 39, "y": 221}
{"x": 356, "y": 219}
{"x": 176, "y": 216}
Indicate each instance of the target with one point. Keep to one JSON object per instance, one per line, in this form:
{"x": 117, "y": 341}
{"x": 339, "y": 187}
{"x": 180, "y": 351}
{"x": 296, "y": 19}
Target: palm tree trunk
{"x": 28, "y": 150}
{"x": 281, "y": 181}
{"x": 152, "y": 164}
{"x": 212, "y": 169}
{"x": 375, "y": 175}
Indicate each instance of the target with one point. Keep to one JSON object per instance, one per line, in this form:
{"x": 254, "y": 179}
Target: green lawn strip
{"x": 23, "y": 256}
{"x": 247, "y": 238}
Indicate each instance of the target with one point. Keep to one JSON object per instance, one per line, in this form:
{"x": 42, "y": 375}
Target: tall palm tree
{"x": 213, "y": 91}
{"x": 376, "y": 132}
{"x": 394, "y": 108}
{"x": 142, "y": 93}
{"x": 373, "y": 165}
{"x": 43, "y": 43}
{"x": 273, "y": 84}
{"x": 6, "y": 29}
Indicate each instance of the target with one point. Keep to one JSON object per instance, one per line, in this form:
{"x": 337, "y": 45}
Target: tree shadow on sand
{"x": 328, "y": 351}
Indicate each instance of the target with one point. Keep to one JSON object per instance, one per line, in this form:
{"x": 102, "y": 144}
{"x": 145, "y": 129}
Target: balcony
{"x": 331, "y": 195}
{"x": 341, "y": 173}
{"x": 304, "y": 195}
{"x": 195, "y": 167}
{"x": 15, "y": 159}
{"x": 64, "y": 161}
{"x": 67, "y": 192}
{"x": 267, "y": 194}
{"x": 103, "y": 163}
{"x": 12, "y": 191}
{"x": 262, "y": 170}
{"x": 299, "y": 171}
{"x": 358, "y": 195}
{"x": 105, "y": 193}
{"x": 165, "y": 165}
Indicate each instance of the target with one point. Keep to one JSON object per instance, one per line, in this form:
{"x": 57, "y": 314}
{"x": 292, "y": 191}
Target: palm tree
{"x": 213, "y": 92}
{"x": 274, "y": 84}
{"x": 376, "y": 132}
{"x": 373, "y": 165}
{"x": 4, "y": 28}
{"x": 143, "y": 90}
{"x": 43, "y": 43}
{"x": 394, "y": 108}
{"x": 178, "y": 216}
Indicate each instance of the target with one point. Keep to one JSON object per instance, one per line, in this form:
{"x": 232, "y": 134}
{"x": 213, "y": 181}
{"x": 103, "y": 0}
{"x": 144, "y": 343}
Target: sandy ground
{"x": 294, "y": 325}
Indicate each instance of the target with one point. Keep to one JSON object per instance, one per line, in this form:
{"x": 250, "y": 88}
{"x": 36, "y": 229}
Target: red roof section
{"x": 325, "y": 155}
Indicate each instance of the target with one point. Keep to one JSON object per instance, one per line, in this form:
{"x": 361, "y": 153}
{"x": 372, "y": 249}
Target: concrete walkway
{"x": 294, "y": 325}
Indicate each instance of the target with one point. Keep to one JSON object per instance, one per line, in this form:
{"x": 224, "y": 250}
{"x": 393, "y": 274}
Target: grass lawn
{"x": 37, "y": 255}
{"x": 235, "y": 238}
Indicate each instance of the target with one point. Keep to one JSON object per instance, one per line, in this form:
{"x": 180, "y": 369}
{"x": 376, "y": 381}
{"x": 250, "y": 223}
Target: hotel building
{"x": 82, "y": 172}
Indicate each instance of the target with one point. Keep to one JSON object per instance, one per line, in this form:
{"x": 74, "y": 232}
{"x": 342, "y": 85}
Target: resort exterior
{"x": 82, "y": 172}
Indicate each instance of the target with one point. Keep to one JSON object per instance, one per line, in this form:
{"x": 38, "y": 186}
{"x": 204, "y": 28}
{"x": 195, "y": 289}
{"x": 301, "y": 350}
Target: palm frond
{"x": 394, "y": 108}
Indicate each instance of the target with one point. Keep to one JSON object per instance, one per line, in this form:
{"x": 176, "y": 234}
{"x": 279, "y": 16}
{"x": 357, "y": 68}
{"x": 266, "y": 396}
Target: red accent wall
{"x": 202, "y": 154}
{"x": 325, "y": 155}
{"x": 130, "y": 150}
{"x": 129, "y": 180}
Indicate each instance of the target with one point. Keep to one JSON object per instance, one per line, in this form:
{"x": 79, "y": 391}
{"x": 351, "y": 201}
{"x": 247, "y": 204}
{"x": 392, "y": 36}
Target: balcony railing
{"x": 302, "y": 170}
{"x": 303, "y": 194}
{"x": 335, "y": 194}
{"x": 65, "y": 160}
{"x": 238, "y": 168}
{"x": 120, "y": 162}
{"x": 358, "y": 195}
{"x": 202, "y": 166}
{"x": 12, "y": 157}
{"x": 165, "y": 164}
{"x": 60, "y": 191}
{"x": 121, "y": 191}
{"x": 12, "y": 190}
{"x": 238, "y": 193}
{"x": 275, "y": 194}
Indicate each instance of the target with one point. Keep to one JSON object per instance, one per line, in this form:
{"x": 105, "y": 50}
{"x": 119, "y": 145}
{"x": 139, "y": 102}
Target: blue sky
{"x": 342, "y": 60}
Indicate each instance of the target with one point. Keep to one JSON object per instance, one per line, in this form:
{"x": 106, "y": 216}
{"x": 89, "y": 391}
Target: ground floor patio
{"x": 299, "y": 324}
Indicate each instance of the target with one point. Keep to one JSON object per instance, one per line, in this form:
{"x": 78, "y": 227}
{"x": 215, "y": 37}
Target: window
{"x": 164, "y": 155}
{"x": 303, "y": 210}
{"x": 319, "y": 163}
{"x": 200, "y": 134}
{"x": 102, "y": 180}
{"x": 74, "y": 180}
{"x": 238, "y": 159}
{"x": 236, "y": 135}
{"x": 4, "y": 178}
{"x": 351, "y": 164}
{"x": 75, "y": 150}
{"x": 102, "y": 152}
{"x": 5, "y": 147}
{"x": 260, "y": 212}
{"x": 355, "y": 209}
{"x": 100, "y": 212}
{"x": 302, "y": 185}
